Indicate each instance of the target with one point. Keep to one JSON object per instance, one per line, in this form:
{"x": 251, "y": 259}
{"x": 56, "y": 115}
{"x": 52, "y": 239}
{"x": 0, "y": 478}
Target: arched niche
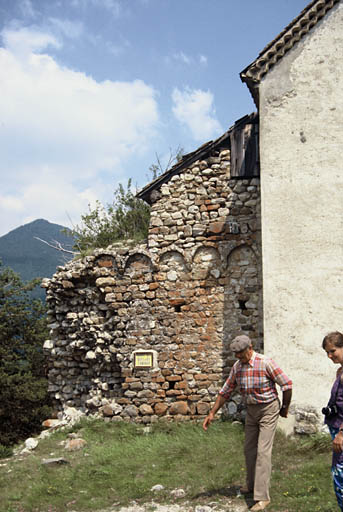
{"x": 106, "y": 261}
{"x": 138, "y": 264}
{"x": 173, "y": 260}
{"x": 243, "y": 297}
{"x": 206, "y": 260}
{"x": 243, "y": 273}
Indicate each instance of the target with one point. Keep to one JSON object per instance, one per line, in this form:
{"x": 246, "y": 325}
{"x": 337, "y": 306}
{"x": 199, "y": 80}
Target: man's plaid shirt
{"x": 256, "y": 380}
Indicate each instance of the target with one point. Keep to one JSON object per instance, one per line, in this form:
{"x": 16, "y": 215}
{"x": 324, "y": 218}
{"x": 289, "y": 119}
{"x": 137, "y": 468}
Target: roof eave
{"x": 253, "y": 87}
{"x": 200, "y": 153}
{"x": 285, "y": 41}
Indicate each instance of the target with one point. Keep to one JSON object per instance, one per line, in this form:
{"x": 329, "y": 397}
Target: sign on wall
{"x": 143, "y": 359}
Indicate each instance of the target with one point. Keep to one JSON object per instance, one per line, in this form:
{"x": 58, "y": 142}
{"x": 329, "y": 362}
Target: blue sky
{"x": 92, "y": 90}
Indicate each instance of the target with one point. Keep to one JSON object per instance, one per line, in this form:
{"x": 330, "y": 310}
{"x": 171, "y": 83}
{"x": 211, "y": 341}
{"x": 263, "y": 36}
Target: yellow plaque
{"x": 143, "y": 360}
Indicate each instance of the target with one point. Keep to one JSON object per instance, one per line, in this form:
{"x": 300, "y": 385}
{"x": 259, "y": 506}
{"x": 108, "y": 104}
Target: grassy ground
{"x": 122, "y": 462}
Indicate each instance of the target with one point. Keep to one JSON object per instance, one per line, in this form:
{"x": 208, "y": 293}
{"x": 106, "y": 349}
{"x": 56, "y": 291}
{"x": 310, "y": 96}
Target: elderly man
{"x": 255, "y": 377}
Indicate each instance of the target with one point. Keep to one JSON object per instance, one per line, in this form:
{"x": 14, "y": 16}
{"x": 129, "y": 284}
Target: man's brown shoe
{"x": 260, "y": 505}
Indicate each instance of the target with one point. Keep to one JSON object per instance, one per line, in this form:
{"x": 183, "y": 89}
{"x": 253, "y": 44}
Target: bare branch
{"x": 57, "y": 245}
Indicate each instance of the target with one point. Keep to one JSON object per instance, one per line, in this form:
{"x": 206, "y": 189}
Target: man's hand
{"x": 207, "y": 421}
{"x": 210, "y": 417}
{"x": 286, "y": 401}
{"x": 337, "y": 443}
{"x": 284, "y": 411}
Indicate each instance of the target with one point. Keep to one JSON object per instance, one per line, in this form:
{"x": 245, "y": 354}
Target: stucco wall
{"x": 301, "y": 112}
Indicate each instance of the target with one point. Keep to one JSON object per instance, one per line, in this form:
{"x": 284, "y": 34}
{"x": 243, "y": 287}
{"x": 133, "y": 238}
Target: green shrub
{"x": 5, "y": 452}
{"x": 127, "y": 217}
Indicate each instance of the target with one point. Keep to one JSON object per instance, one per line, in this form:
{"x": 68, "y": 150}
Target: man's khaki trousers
{"x": 260, "y": 426}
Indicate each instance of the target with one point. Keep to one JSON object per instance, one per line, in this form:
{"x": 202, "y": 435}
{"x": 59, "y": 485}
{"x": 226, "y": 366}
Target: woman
{"x": 333, "y": 346}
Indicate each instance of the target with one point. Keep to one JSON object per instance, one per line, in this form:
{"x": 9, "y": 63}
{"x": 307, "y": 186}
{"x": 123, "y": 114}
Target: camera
{"x": 330, "y": 410}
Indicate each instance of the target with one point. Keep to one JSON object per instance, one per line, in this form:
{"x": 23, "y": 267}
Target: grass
{"x": 122, "y": 462}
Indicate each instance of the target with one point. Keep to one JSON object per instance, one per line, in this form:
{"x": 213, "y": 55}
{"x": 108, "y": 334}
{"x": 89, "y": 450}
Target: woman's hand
{"x": 337, "y": 443}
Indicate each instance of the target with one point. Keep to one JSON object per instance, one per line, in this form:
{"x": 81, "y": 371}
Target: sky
{"x": 92, "y": 92}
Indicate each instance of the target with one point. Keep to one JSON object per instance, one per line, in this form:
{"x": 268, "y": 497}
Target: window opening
{"x": 242, "y": 304}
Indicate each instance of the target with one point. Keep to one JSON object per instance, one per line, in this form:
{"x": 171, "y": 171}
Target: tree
{"x": 24, "y": 401}
{"x": 157, "y": 168}
{"x": 127, "y": 217}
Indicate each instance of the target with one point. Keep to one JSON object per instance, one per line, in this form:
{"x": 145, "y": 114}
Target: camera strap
{"x": 334, "y": 391}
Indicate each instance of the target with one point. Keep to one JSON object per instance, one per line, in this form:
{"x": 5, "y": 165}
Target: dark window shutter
{"x": 245, "y": 151}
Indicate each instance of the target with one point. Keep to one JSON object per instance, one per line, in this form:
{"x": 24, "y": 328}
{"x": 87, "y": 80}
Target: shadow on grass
{"x": 228, "y": 492}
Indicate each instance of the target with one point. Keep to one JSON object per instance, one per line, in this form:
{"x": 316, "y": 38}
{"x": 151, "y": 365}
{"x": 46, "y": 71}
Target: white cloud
{"x": 27, "y": 9}
{"x": 194, "y": 109}
{"x": 62, "y": 133}
{"x": 113, "y": 6}
{"x": 24, "y": 41}
{"x": 186, "y": 59}
{"x": 10, "y": 204}
{"x": 114, "y": 49}
{"x": 182, "y": 57}
{"x": 203, "y": 60}
{"x": 69, "y": 29}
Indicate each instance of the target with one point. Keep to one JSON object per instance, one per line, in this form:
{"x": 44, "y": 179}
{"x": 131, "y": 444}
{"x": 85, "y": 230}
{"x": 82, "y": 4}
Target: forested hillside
{"x": 31, "y": 258}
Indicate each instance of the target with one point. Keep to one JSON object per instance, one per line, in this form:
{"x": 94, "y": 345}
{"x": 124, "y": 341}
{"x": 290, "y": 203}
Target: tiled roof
{"x": 286, "y": 40}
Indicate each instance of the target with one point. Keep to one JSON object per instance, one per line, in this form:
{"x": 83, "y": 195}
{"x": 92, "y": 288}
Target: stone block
{"x": 181, "y": 385}
{"x": 105, "y": 263}
{"x": 200, "y": 376}
{"x": 203, "y": 408}
{"x": 101, "y": 282}
{"x": 146, "y": 409}
{"x": 179, "y": 408}
{"x": 160, "y": 409}
{"x": 67, "y": 284}
{"x": 107, "y": 411}
{"x": 131, "y": 410}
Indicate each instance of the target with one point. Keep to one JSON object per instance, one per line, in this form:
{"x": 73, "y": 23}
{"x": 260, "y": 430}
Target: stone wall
{"x": 182, "y": 295}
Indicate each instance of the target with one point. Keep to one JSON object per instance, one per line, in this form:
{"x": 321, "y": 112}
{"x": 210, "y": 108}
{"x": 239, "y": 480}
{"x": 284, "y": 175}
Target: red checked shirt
{"x": 256, "y": 380}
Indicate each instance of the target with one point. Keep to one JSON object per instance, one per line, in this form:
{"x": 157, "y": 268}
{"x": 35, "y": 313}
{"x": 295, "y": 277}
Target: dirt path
{"x": 232, "y": 504}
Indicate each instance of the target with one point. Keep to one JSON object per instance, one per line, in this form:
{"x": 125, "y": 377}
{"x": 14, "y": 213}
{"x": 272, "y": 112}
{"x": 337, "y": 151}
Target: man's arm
{"x": 277, "y": 375}
{"x": 218, "y": 404}
{"x": 286, "y": 400}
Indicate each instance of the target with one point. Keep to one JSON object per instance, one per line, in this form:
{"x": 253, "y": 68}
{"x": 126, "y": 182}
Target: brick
{"x": 105, "y": 263}
{"x": 181, "y": 385}
{"x": 200, "y": 376}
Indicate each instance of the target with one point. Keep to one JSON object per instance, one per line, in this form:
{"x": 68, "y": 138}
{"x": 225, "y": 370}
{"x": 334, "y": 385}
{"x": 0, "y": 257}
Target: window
{"x": 245, "y": 161}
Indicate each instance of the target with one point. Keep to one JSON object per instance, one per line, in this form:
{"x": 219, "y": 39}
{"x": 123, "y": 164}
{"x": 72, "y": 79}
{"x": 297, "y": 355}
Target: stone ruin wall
{"x": 183, "y": 294}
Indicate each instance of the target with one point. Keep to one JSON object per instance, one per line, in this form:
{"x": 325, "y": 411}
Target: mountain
{"x": 31, "y": 258}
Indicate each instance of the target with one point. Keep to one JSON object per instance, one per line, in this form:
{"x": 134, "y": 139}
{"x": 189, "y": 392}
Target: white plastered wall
{"x": 301, "y": 150}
